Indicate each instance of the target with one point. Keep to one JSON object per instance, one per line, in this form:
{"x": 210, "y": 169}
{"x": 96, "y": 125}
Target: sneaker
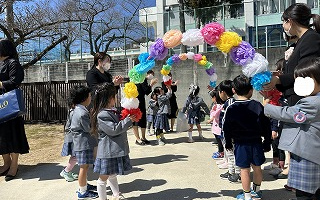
{"x": 223, "y": 165}
{"x": 240, "y": 196}
{"x": 225, "y": 175}
{"x": 271, "y": 166}
{"x": 67, "y": 176}
{"x": 275, "y": 171}
{"x": 256, "y": 195}
{"x": 88, "y": 195}
{"x": 74, "y": 175}
{"x": 120, "y": 197}
{"x": 234, "y": 178}
{"x": 91, "y": 188}
{"x": 160, "y": 142}
{"x": 149, "y": 133}
{"x": 218, "y": 156}
{"x": 190, "y": 140}
{"x": 219, "y": 162}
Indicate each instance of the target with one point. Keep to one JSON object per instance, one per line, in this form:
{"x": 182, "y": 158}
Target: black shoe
{"x": 9, "y": 177}
{"x": 282, "y": 176}
{"x": 142, "y": 143}
{"x": 145, "y": 141}
{"x": 234, "y": 178}
{"x": 5, "y": 172}
{"x": 225, "y": 175}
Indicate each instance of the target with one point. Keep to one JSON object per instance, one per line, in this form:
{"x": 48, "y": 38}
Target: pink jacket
{"x": 214, "y": 115}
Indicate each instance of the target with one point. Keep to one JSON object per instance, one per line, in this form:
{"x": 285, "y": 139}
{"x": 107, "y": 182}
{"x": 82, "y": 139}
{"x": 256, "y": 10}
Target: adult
{"x": 296, "y": 22}
{"x": 13, "y": 140}
{"x": 99, "y": 73}
{"x": 143, "y": 89}
{"x": 173, "y": 102}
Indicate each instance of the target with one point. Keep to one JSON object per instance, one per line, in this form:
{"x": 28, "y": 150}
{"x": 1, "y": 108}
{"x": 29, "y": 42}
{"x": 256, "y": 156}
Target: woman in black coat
{"x": 173, "y": 102}
{"x": 13, "y": 140}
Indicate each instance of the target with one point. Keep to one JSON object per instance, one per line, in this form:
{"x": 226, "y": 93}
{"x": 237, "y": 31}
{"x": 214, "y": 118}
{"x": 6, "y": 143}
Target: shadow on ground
{"x": 158, "y": 159}
{"x": 274, "y": 194}
{"x": 141, "y": 185}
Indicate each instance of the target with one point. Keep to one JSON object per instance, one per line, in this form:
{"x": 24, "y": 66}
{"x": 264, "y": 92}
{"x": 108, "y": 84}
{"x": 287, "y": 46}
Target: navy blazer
{"x": 302, "y": 139}
{"x": 11, "y": 74}
{"x": 308, "y": 46}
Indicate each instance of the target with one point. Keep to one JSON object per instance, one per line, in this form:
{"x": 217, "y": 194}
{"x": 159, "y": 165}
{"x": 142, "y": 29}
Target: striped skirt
{"x": 108, "y": 166}
{"x": 162, "y": 122}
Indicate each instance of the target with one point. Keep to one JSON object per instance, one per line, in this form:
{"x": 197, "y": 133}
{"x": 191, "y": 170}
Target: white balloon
{"x": 192, "y": 37}
{"x": 213, "y": 77}
{"x": 190, "y": 55}
{"x": 303, "y": 86}
{"x": 257, "y": 65}
{"x": 166, "y": 78}
{"x": 129, "y": 103}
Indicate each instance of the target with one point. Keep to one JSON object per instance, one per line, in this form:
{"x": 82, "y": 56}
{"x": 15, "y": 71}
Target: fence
{"x": 47, "y": 101}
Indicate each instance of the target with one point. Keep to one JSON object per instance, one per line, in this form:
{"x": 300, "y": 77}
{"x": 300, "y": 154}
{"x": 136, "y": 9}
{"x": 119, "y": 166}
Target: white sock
{"x": 82, "y": 189}
{"x": 190, "y": 134}
{"x": 102, "y": 189}
{"x": 247, "y": 195}
{"x": 114, "y": 186}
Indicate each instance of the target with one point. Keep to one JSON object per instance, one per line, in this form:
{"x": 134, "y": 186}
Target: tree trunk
{"x": 10, "y": 19}
{"x": 182, "y": 23}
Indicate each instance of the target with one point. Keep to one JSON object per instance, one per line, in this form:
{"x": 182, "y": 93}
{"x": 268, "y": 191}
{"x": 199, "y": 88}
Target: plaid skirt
{"x": 67, "y": 149}
{"x": 108, "y": 166}
{"x": 304, "y": 175}
{"x": 84, "y": 157}
{"x": 150, "y": 118}
{"x": 193, "y": 120}
{"x": 162, "y": 122}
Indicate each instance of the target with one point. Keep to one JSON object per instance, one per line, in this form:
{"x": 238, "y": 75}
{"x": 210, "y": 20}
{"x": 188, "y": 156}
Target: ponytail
{"x": 316, "y": 22}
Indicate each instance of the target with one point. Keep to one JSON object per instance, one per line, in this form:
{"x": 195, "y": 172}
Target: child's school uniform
{"x": 244, "y": 125}
{"x": 193, "y": 107}
{"x": 162, "y": 121}
{"x": 152, "y": 110}
{"x": 67, "y": 148}
{"x": 113, "y": 147}
{"x": 215, "y": 115}
{"x": 301, "y": 137}
{"x": 83, "y": 142}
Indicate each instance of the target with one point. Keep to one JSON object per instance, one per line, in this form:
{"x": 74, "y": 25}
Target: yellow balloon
{"x": 130, "y": 90}
{"x": 164, "y": 72}
{"x": 227, "y": 41}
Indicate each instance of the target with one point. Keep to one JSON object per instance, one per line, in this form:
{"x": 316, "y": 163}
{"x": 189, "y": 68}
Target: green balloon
{"x": 135, "y": 77}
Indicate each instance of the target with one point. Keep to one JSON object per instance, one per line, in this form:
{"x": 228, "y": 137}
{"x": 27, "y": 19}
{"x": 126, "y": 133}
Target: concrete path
{"x": 176, "y": 171}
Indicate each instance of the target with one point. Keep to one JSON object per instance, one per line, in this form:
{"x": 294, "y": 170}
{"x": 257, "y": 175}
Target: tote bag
{"x": 182, "y": 122}
{"x": 11, "y": 105}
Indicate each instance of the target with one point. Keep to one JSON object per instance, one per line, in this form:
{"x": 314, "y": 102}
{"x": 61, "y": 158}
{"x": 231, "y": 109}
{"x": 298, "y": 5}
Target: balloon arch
{"x": 241, "y": 53}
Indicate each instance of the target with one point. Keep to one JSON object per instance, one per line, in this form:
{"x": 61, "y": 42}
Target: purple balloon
{"x": 158, "y": 50}
{"x": 242, "y": 53}
{"x": 176, "y": 58}
{"x": 210, "y": 71}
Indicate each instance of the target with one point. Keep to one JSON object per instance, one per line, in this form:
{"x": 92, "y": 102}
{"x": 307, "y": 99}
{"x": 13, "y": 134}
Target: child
{"x": 244, "y": 124}
{"x": 162, "y": 122}
{"x": 214, "y": 120}
{"x": 300, "y": 133}
{"x": 83, "y": 143}
{"x": 193, "y": 105}
{"x": 67, "y": 148}
{"x": 113, "y": 148}
{"x": 226, "y": 94}
{"x": 152, "y": 112}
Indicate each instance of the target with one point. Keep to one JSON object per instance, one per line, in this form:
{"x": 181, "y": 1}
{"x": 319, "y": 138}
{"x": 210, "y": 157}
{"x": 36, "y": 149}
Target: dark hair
{"x": 226, "y": 86}
{"x": 103, "y": 94}
{"x": 100, "y": 56}
{"x": 309, "y": 68}
{"x": 152, "y": 94}
{"x": 150, "y": 72}
{"x": 157, "y": 90}
{"x": 78, "y": 94}
{"x": 301, "y": 13}
{"x": 215, "y": 93}
{"x": 242, "y": 85}
{"x": 7, "y": 48}
{"x": 193, "y": 91}
{"x": 279, "y": 64}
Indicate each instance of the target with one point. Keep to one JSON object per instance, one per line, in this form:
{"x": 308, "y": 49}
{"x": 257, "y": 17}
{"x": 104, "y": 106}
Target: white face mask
{"x": 150, "y": 76}
{"x": 288, "y": 31}
{"x": 106, "y": 67}
{"x": 303, "y": 86}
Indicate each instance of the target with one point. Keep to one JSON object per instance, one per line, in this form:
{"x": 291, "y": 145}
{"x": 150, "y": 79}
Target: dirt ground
{"x": 45, "y": 141}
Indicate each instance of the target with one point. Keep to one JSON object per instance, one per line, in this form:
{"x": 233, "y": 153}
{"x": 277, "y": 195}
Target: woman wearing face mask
{"x": 99, "y": 74}
{"x": 296, "y": 22}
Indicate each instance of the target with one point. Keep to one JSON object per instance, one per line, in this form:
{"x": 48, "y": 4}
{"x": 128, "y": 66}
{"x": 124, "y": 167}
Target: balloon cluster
{"x": 130, "y": 103}
{"x": 253, "y": 64}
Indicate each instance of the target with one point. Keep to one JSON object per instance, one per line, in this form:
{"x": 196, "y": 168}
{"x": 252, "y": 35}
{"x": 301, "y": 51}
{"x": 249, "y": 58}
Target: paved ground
{"x": 176, "y": 171}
